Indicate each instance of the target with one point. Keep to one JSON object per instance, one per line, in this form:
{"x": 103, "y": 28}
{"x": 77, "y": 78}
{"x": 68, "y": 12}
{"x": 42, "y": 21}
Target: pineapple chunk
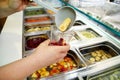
{"x": 65, "y": 24}
{"x": 34, "y": 75}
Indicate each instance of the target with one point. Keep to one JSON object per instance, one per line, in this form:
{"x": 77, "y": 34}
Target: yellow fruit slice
{"x": 65, "y": 24}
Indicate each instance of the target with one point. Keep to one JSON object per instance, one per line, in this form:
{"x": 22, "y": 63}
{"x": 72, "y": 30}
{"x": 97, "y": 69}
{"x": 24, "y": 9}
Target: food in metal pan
{"x": 37, "y": 19}
{"x": 113, "y": 74}
{"x": 99, "y": 55}
{"x": 92, "y": 60}
{"x": 64, "y": 65}
{"x": 33, "y": 41}
{"x": 31, "y": 12}
{"x": 88, "y": 34}
{"x": 34, "y": 29}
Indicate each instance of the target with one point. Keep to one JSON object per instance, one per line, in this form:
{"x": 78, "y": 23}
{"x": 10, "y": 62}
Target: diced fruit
{"x": 59, "y": 43}
{"x": 65, "y": 24}
{"x": 33, "y": 42}
{"x": 34, "y": 75}
{"x": 64, "y": 65}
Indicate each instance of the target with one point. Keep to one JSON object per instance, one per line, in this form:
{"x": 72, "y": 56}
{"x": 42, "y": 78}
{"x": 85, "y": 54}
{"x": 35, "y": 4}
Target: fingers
{"x": 30, "y": 2}
{"x": 21, "y": 8}
{"x": 45, "y": 43}
{"x": 64, "y": 48}
{"x": 26, "y": 1}
{"x": 33, "y": 3}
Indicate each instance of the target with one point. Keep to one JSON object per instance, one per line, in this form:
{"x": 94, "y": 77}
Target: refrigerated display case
{"x": 92, "y": 51}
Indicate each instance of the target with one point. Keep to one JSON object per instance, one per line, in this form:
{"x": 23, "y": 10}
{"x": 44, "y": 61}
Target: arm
{"x": 44, "y": 55}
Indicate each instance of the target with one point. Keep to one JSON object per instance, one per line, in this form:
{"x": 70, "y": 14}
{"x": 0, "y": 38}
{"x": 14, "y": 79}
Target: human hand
{"x": 48, "y": 54}
{"x": 8, "y": 7}
{"x": 19, "y": 5}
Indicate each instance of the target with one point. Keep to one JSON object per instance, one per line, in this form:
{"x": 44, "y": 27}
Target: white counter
{"x": 11, "y": 39}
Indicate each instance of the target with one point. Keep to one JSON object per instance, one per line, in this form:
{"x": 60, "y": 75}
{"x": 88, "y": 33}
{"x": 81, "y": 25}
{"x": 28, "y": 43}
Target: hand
{"x": 43, "y": 56}
{"x": 51, "y": 54}
{"x": 19, "y": 5}
{"x": 8, "y": 7}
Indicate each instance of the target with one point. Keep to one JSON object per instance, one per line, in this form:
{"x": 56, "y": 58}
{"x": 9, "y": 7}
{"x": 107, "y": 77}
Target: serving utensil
{"x": 60, "y": 14}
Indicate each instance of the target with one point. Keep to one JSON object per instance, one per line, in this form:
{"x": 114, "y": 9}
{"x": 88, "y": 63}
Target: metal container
{"x": 78, "y": 23}
{"x": 32, "y": 42}
{"x": 70, "y": 63}
{"x": 35, "y": 32}
{"x": 34, "y": 11}
{"x": 98, "y": 52}
{"x": 85, "y": 34}
{"x": 36, "y": 19}
{"x": 36, "y": 29}
{"x": 109, "y": 74}
{"x": 89, "y": 33}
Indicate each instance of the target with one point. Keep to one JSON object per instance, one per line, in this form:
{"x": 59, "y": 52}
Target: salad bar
{"x": 93, "y": 55}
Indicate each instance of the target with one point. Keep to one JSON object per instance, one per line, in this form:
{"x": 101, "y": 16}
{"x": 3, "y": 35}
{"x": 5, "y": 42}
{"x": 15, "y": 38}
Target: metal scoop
{"x": 64, "y": 13}
{"x": 61, "y": 14}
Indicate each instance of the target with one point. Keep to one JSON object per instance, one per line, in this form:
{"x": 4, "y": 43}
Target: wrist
{"x": 36, "y": 60}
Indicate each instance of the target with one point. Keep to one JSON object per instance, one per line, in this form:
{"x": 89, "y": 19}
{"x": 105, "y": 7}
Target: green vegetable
{"x": 112, "y": 77}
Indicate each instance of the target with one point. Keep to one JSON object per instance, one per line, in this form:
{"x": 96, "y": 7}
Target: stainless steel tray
{"x": 110, "y": 74}
{"x": 70, "y": 63}
{"x": 99, "y": 52}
